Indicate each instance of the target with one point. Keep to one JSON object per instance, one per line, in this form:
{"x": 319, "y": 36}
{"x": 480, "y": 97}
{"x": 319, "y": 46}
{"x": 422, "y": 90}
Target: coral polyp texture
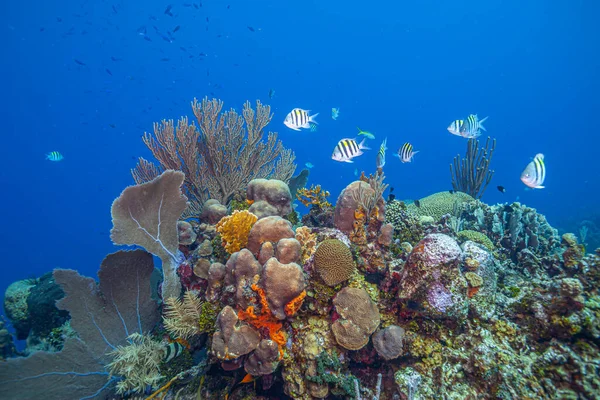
{"x": 334, "y": 262}
{"x": 444, "y": 298}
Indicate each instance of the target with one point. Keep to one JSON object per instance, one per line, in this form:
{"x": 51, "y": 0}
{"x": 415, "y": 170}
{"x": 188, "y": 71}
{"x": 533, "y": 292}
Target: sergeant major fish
{"x": 299, "y": 118}
{"x": 347, "y": 149}
{"x": 54, "y": 156}
{"x": 381, "y": 155}
{"x": 472, "y": 127}
{"x": 406, "y": 153}
{"x": 535, "y": 173}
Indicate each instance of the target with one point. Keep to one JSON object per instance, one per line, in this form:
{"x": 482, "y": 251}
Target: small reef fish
{"x": 271, "y": 93}
{"x": 381, "y": 154}
{"x": 456, "y": 126}
{"x": 347, "y": 149}
{"x": 313, "y": 127}
{"x": 366, "y": 134}
{"x": 406, "y": 153}
{"x": 472, "y": 127}
{"x": 54, "y": 156}
{"x": 355, "y": 171}
{"x": 535, "y": 173}
{"x": 335, "y": 113}
{"x": 417, "y": 203}
{"x": 501, "y": 189}
{"x": 299, "y": 118}
{"x": 309, "y": 165}
{"x": 173, "y": 350}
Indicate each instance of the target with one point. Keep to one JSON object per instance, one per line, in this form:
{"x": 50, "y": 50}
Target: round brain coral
{"x": 334, "y": 262}
{"x": 234, "y": 230}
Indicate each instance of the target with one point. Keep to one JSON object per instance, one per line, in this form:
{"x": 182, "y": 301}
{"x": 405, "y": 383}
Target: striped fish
{"x": 535, "y": 173}
{"x": 299, "y": 118}
{"x": 54, "y": 156}
{"x": 406, "y": 152}
{"x": 472, "y": 127}
{"x": 347, "y": 149}
{"x": 173, "y": 350}
{"x": 381, "y": 154}
{"x": 456, "y": 126}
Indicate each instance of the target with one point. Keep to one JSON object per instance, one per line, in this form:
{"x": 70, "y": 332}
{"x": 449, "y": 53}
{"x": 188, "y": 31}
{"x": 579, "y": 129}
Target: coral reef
{"x": 444, "y": 298}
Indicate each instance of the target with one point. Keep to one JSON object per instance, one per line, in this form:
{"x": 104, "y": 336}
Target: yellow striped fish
{"x": 406, "y": 152}
{"x": 54, "y": 156}
{"x": 347, "y": 149}
{"x": 299, "y": 118}
{"x": 381, "y": 154}
{"x": 535, "y": 173}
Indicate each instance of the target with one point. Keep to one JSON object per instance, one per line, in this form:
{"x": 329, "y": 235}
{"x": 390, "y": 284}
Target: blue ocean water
{"x": 79, "y": 78}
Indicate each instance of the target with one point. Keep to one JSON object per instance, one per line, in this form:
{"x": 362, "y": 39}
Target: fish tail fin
{"x": 362, "y": 145}
{"x": 384, "y": 144}
{"x": 481, "y": 123}
{"x": 312, "y": 119}
{"x": 415, "y": 152}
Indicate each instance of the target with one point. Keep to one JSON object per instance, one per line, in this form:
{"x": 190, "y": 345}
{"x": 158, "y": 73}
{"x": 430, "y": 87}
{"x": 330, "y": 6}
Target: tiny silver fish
{"x": 535, "y": 173}
{"x": 54, "y": 156}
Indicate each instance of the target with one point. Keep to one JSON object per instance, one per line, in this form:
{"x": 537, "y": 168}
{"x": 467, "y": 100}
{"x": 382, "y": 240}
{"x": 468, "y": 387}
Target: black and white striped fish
{"x": 472, "y": 127}
{"x": 535, "y": 173}
{"x": 406, "y": 152}
{"x": 299, "y": 118}
{"x": 173, "y": 350}
{"x": 347, "y": 149}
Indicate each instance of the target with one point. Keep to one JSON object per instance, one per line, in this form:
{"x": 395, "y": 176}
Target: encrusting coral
{"x": 234, "y": 230}
{"x": 313, "y": 197}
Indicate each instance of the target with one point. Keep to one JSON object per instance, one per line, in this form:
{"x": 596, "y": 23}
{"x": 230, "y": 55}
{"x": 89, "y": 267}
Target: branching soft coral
{"x": 181, "y": 318}
{"x": 315, "y": 197}
{"x": 234, "y": 230}
{"x": 137, "y": 364}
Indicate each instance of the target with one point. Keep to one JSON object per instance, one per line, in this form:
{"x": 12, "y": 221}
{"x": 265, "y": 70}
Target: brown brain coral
{"x": 334, "y": 262}
{"x": 235, "y": 229}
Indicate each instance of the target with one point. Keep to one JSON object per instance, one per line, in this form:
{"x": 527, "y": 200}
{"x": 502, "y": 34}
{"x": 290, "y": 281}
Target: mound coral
{"x": 359, "y": 317}
{"x": 439, "y": 204}
{"x": 234, "y": 230}
{"x": 269, "y": 197}
{"x": 334, "y": 262}
{"x": 233, "y": 338}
